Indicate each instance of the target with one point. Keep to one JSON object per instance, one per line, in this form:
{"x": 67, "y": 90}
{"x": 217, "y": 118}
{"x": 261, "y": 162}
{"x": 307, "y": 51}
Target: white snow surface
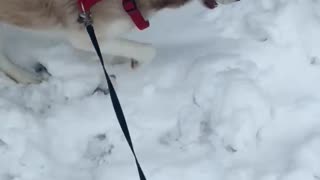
{"x": 233, "y": 94}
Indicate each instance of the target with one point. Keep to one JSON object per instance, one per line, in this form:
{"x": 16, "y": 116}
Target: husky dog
{"x": 60, "y": 18}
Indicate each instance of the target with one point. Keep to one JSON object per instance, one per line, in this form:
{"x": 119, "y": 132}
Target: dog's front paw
{"x": 145, "y": 56}
{"x": 136, "y": 53}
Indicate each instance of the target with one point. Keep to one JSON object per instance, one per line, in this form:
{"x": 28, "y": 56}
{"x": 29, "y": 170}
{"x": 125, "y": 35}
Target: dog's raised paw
{"x": 146, "y": 55}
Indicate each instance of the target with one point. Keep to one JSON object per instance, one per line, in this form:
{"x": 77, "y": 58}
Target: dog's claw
{"x": 134, "y": 64}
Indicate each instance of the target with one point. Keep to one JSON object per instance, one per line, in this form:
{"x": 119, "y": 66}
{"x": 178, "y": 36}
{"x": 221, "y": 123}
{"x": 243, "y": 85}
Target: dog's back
{"x": 37, "y": 14}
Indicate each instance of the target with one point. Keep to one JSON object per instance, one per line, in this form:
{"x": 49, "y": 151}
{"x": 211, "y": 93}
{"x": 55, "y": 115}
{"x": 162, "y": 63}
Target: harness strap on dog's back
{"x": 130, "y": 6}
{"x": 85, "y": 5}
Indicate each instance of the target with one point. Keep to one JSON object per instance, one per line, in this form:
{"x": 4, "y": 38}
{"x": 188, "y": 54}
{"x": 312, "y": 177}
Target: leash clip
{"x": 84, "y": 16}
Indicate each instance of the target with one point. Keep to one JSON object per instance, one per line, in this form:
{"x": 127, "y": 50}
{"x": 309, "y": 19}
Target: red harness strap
{"x": 85, "y": 5}
{"x": 129, "y": 6}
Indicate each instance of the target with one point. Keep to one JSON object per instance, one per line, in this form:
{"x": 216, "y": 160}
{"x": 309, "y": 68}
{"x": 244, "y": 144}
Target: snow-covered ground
{"x": 233, "y": 94}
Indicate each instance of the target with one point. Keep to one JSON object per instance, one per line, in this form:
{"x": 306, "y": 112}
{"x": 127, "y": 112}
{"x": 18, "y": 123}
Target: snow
{"x": 231, "y": 95}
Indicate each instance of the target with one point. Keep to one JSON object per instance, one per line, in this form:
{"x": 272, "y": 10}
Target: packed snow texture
{"x": 233, "y": 94}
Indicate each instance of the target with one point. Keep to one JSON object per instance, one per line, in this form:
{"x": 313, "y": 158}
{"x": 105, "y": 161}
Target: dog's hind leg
{"x": 17, "y": 73}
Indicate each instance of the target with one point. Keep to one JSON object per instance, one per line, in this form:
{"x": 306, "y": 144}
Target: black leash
{"x": 114, "y": 98}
